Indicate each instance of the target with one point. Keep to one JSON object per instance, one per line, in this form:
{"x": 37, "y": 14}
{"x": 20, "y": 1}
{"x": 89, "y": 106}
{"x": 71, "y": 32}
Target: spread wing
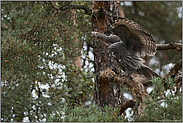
{"x": 137, "y": 41}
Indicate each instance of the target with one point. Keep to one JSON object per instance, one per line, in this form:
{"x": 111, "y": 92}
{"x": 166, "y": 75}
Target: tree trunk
{"x": 103, "y": 15}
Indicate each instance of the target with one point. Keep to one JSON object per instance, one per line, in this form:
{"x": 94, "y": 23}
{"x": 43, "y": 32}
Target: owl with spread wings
{"x": 128, "y": 44}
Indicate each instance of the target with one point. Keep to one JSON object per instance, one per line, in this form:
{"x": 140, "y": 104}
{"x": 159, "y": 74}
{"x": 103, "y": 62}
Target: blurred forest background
{"x": 46, "y": 60}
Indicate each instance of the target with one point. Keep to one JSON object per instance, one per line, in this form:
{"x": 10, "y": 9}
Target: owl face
{"x": 116, "y": 56}
{"x": 117, "y": 51}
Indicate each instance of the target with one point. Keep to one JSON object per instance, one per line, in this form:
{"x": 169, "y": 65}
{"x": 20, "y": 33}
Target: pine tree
{"x": 52, "y": 70}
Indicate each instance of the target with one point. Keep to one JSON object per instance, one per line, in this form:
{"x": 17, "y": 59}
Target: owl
{"x": 128, "y": 44}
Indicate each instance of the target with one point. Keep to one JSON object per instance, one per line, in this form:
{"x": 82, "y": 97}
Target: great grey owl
{"x": 128, "y": 44}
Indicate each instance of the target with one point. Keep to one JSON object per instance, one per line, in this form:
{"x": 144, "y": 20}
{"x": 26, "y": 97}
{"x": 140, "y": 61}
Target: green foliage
{"x": 39, "y": 78}
{"x": 161, "y": 104}
{"x": 89, "y": 114}
{"x": 37, "y": 61}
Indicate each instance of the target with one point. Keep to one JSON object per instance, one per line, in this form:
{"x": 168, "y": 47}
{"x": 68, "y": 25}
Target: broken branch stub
{"x": 107, "y": 76}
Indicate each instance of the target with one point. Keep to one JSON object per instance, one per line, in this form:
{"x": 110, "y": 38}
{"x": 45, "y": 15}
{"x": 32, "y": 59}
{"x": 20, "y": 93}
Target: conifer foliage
{"x": 50, "y": 68}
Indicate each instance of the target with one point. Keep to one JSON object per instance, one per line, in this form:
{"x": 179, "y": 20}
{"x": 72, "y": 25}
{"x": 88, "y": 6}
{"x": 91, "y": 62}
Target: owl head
{"x": 117, "y": 51}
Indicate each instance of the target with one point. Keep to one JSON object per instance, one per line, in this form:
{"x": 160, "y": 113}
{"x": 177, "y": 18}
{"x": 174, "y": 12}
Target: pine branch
{"x": 87, "y": 11}
{"x": 63, "y": 8}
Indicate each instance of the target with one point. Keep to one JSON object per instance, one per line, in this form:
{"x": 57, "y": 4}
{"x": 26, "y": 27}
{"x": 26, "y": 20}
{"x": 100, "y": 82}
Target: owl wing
{"x": 137, "y": 41}
{"x": 129, "y": 62}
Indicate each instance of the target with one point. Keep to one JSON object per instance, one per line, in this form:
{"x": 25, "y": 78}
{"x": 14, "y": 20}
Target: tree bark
{"x": 103, "y": 15}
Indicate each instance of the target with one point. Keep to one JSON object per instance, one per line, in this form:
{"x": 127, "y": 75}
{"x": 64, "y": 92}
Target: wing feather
{"x": 136, "y": 40}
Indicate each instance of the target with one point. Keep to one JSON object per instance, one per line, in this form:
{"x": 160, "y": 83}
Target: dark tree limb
{"x": 174, "y": 70}
{"x": 127, "y": 104}
{"x": 178, "y": 82}
{"x": 84, "y": 60}
{"x": 175, "y": 46}
{"x": 178, "y": 79}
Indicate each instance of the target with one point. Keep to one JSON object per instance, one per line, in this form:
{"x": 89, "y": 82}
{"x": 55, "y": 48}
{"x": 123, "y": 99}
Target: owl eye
{"x": 114, "y": 53}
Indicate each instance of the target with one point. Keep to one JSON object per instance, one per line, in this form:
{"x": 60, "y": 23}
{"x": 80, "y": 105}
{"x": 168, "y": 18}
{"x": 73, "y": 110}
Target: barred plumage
{"x": 137, "y": 40}
{"x": 132, "y": 43}
{"x": 128, "y": 62}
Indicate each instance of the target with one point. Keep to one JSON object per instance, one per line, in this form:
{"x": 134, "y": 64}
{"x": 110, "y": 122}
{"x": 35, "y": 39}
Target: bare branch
{"x": 53, "y": 5}
{"x": 175, "y": 46}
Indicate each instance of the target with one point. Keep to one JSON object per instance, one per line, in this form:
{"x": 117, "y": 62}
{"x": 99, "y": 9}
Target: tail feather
{"x": 147, "y": 72}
